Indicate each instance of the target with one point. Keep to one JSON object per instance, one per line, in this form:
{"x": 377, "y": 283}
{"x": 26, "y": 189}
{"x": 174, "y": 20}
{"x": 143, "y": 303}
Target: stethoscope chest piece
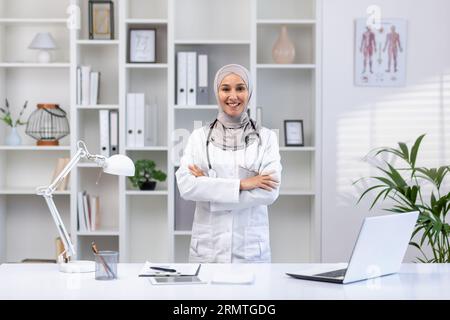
{"x": 212, "y": 173}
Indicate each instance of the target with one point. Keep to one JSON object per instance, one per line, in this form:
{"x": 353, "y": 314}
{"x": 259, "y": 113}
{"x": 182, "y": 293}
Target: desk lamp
{"x": 117, "y": 165}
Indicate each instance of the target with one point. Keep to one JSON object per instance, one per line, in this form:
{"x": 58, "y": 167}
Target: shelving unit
{"x": 26, "y": 226}
{"x": 141, "y": 224}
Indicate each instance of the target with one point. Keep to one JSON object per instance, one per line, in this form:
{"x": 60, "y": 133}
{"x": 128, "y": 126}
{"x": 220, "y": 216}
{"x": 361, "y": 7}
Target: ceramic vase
{"x": 283, "y": 50}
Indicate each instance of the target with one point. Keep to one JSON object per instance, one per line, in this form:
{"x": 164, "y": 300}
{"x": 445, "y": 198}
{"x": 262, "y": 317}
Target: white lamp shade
{"x": 120, "y": 165}
{"x": 42, "y": 40}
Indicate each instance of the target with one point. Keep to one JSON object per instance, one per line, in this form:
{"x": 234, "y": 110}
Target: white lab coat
{"x": 229, "y": 225}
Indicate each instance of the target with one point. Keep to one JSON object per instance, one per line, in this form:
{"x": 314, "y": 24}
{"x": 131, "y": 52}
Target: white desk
{"x": 43, "y": 281}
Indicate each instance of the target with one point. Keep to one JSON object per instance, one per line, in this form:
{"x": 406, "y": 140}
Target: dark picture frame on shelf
{"x": 101, "y": 20}
{"x": 141, "y": 45}
{"x": 293, "y": 133}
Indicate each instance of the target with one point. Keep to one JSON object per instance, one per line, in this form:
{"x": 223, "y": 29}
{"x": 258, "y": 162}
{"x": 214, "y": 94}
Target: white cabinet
{"x": 145, "y": 225}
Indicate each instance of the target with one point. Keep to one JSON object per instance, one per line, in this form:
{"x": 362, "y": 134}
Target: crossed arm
{"x": 231, "y": 194}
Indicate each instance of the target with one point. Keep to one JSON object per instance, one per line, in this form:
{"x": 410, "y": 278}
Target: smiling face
{"x": 233, "y": 95}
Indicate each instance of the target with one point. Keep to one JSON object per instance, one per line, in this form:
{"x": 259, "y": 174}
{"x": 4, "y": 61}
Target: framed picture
{"x": 380, "y": 53}
{"x": 293, "y": 133}
{"x": 101, "y": 20}
{"x": 141, "y": 45}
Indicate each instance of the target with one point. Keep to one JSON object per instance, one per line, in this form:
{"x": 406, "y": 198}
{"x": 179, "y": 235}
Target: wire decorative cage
{"x": 48, "y": 124}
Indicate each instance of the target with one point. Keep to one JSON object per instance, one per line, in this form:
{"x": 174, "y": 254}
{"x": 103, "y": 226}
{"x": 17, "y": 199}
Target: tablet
{"x": 177, "y": 280}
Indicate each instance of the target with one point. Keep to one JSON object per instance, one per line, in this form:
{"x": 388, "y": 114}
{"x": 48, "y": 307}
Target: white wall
{"x": 356, "y": 119}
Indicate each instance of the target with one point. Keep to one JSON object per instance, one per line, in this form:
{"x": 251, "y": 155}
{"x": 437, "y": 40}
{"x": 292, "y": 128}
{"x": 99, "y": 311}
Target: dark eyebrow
{"x": 239, "y": 84}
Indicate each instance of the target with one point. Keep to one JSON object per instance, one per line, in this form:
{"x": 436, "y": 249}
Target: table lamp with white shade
{"x": 44, "y": 42}
{"x": 117, "y": 164}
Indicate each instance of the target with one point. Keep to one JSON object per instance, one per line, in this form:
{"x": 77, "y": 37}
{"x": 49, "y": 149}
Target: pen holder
{"x": 106, "y": 265}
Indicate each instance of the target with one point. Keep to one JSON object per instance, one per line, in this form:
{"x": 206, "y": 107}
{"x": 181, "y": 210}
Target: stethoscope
{"x": 211, "y": 172}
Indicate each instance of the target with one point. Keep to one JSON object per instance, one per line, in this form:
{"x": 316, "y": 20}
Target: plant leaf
{"x": 415, "y": 150}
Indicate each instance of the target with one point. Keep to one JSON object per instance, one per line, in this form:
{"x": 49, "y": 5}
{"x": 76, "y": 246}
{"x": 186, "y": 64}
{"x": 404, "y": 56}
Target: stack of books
{"x": 88, "y": 217}
{"x": 88, "y": 83}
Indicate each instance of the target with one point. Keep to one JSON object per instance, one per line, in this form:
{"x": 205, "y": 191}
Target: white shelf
{"x": 149, "y": 148}
{"x": 182, "y": 232}
{"x": 22, "y": 21}
{"x": 34, "y": 65}
{"x": 35, "y": 148}
{"x": 287, "y": 21}
{"x": 196, "y": 107}
{"x": 146, "y": 21}
{"x": 146, "y": 65}
{"x": 28, "y": 191}
{"x": 209, "y": 42}
{"x": 98, "y": 107}
{"x": 285, "y": 66}
{"x": 296, "y": 192}
{"x": 97, "y": 42}
{"x": 146, "y": 193}
{"x": 98, "y": 233}
{"x": 297, "y": 149}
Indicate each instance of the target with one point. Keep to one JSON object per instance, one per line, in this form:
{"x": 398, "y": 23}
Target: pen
{"x": 163, "y": 269}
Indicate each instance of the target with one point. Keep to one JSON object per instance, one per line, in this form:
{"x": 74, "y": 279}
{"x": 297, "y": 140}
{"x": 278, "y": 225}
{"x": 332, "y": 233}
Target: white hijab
{"x": 233, "y": 133}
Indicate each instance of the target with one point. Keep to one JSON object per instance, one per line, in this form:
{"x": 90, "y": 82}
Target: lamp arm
{"x": 47, "y": 193}
{"x": 68, "y": 245}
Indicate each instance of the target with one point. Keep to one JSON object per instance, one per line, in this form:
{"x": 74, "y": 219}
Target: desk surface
{"x": 44, "y": 281}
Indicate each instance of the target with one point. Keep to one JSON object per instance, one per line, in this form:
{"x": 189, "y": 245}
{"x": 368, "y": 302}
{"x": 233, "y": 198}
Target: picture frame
{"x": 142, "y": 45}
{"x": 101, "y": 20}
{"x": 293, "y": 133}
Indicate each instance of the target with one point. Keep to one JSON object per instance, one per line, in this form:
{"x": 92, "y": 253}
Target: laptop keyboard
{"x": 332, "y": 274}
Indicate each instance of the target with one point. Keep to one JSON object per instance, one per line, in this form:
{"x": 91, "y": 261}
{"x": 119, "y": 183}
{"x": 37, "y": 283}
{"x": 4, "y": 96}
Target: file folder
{"x": 192, "y": 78}
{"x": 104, "y": 132}
{"x": 131, "y": 117}
{"x": 181, "y": 78}
{"x": 114, "y": 132}
{"x": 140, "y": 119}
{"x": 202, "y": 90}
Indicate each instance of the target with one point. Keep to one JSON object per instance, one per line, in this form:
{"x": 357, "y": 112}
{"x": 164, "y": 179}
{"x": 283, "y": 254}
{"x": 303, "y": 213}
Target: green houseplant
{"x": 146, "y": 175}
{"x": 413, "y": 188}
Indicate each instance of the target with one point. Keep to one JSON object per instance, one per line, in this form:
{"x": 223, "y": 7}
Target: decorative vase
{"x": 283, "y": 50}
{"x": 149, "y": 185}
{"x": 13, "y": 138}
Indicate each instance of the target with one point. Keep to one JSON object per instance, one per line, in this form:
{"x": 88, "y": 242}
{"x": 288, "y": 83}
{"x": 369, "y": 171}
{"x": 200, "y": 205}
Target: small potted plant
{"x": 146, "y": 175}
{"x": 13, "y": 138}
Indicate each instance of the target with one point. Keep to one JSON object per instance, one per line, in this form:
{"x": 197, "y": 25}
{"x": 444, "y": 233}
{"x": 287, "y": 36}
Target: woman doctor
{"x": 232, "y": 170}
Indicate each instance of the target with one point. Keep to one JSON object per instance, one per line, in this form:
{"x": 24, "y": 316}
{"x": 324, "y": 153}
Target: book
{"x": 61, "y": 163}
{"x": 95, "y": 210}
{"x": 87, "y": 211}
{"x": 85, "y": 85}
{"x": 81, "y": 216}
{"x": 94, "y": 85}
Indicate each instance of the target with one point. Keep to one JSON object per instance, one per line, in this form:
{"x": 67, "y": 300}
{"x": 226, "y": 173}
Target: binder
{"x": 104, "y": 132}
{"x": 140, "y": 119}
{"x": 202, "y": 90}
{"x": 85, "y": 86}
{"x": 114, "y": 132}
{"x": 192, "y": 78}
{"x": 131, "y": 116}
{"x": 181, "y": 78}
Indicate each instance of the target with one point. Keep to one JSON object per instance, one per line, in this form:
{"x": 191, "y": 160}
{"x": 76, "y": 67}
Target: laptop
{"x": 379, "y": 251}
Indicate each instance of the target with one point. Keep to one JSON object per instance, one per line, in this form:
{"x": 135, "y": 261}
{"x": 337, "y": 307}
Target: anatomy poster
{"x": 380, "y": 53}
